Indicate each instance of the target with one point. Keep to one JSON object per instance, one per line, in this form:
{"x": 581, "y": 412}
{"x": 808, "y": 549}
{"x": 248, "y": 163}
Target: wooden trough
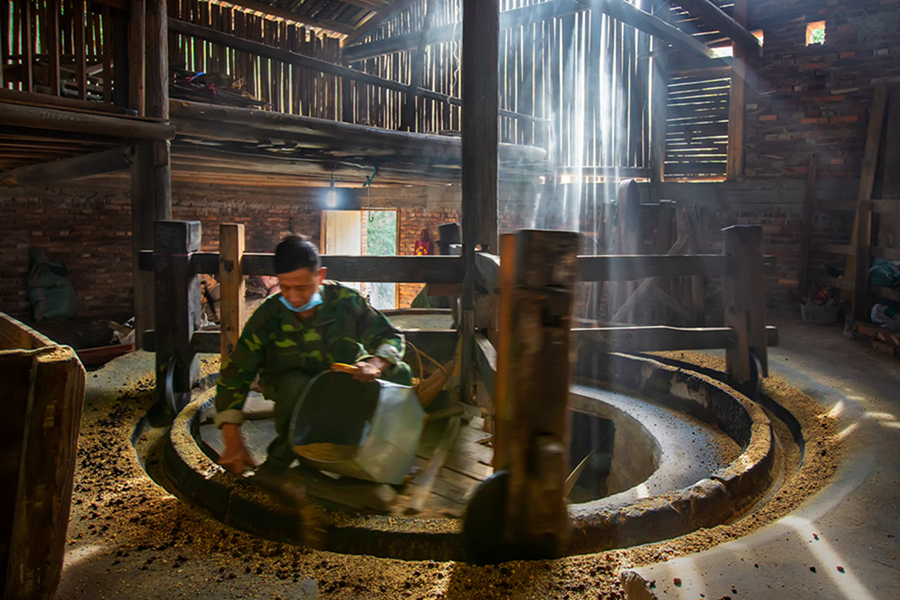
{"x": 42, "y": 385}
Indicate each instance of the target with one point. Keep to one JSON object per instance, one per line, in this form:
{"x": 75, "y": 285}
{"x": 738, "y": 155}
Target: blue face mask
{"x": 313, "y": 302}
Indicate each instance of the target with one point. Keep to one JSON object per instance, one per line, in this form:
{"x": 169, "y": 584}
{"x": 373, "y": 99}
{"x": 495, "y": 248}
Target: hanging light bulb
{"x": 331, "y": 198}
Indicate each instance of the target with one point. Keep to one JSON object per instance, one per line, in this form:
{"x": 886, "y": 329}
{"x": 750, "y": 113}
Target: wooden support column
{"x": 734, "y": 167}
{"x": 480, "y": 140}
{"x": 659, "y": 107}
{"x": 745, "y": 301}
{"x": 408, "y": 118}
{"x": 232, "y": 310}
{"x": 529, "y": 517}
{"x": 137, "y": 35}
{"x": 151, "y": 181}
{"x": 177, "y": 294}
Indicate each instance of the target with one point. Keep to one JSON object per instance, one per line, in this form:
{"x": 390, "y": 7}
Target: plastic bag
{"x": 51, "y": 293}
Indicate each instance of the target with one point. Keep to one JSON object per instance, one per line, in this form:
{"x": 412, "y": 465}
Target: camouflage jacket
{"x": 276, "y": 341}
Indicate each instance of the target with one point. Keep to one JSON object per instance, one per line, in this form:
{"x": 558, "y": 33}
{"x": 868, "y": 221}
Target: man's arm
{"x": 236, "y": 374}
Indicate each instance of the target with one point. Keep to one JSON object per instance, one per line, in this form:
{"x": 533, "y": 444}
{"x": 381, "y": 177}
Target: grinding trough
{"x": 676, "y": 479}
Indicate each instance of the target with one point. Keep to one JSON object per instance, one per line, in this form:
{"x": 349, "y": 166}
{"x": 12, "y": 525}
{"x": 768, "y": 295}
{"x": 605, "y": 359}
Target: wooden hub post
{"x": 521, "y": 511}
{"x": 177, "y": 310}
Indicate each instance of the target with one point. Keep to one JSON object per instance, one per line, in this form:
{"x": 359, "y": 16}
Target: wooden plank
{"x": 399, "y": 269}
{"x": 417, "y": 65}
{"x": 37, "y": 99}
{"x": 88, "y": 165}
{"x": 486, "y": 362}
{"x": 46, "y": 474}
{"x": 15, "y": 335}
{"x": 232, "y": 308}
{"x": 867, "y": 181}
{"x": 422, "y": 486}
{"x": 292, "y": 16}
{"x": 645, "y": 286}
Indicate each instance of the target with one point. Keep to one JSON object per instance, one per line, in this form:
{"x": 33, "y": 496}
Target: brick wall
{"x": 88, "y": 227}
{"x": 806, "y": 100}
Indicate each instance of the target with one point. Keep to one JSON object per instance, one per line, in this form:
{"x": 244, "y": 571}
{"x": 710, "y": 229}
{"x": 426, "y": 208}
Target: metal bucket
{"x": 365, "y": 430}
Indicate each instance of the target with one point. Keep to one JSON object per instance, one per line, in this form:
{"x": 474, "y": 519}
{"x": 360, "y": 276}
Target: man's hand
{"x": 371, "y": 369}
{"x": 235, "y": 458}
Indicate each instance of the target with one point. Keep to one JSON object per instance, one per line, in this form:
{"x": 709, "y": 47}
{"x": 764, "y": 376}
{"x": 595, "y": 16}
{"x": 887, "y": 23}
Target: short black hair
{"x": 296, "y": 252}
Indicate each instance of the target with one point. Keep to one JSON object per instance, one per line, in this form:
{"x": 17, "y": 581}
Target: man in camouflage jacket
{"x": 292, "y": 337}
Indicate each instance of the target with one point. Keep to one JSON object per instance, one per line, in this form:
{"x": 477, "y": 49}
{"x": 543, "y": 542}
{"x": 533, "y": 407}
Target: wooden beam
{"x": 137, "y": 35}
{"x": 714, "y": 16}
{"x": 480, "y": 141}
{"x": 658, "y": 109}
{"x": 375, "y": 20}
{"x": 88, "y": 165}
{"x": 399, "y": 269}
{"x": 877, "y": 114}
{"x": 282, "y": 13}
{"x": 437, "y": 35}
{"x": 644, "y": 21}
{"x": 20, "y": 115}
{"x": 36, "y": 99}
{"x": 734, "y": 165}
{"x": 407, "y": 121}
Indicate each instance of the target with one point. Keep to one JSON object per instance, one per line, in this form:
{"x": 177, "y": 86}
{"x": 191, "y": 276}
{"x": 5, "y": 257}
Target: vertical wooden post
{"x": 408, "y": 118}
{"x": 231, "y": 285}
{"x": 734, "y": 167}
{"x": 745, "y": 300}
{"x": 151, "y": 184}
{"x": 480, "y": 137}
{"x": 53, "y": 47}
{"x": 177, "y": 293}
{"x": 659, "y": 108}
{"x": 27, "y": 45}
{"x": 530, "y": 518}
{"x": 80, "y": 51}
{"x": 136, "y": 40}
{"x": 663, "y": 244}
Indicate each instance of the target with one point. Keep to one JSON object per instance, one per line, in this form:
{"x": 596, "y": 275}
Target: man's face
{"x": 299, "y": 286}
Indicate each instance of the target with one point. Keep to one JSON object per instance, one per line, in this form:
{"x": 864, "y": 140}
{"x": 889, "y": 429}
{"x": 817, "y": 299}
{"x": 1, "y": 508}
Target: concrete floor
{"x": 130, "y": 539}
{"x": 843, "y": 544}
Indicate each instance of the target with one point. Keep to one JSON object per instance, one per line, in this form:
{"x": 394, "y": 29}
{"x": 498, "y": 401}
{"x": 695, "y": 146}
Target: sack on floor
{"x": 51, "y": 293}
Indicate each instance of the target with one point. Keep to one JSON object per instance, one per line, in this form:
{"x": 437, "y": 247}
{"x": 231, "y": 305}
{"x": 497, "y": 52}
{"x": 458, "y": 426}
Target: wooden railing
{"x": 177, "y": 260}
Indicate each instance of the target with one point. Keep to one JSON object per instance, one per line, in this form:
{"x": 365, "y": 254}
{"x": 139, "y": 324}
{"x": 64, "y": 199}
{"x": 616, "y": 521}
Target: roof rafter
{"x": 714, "y": 16}
{"x": 283, "y": 13}
{"x": 376, "y": 19}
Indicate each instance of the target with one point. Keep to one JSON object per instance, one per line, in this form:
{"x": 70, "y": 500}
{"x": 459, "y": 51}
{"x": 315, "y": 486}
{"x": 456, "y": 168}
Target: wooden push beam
{"x": 643, "y": 266}
{"x": 644, "y": 21}
{"x": 716, "y": 17}
{"x": 437, "y": 35}
{"x": 97, "y": 163}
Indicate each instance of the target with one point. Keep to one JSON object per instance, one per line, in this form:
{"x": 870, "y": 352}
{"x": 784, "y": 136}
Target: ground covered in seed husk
{"x": 129, "y": 538}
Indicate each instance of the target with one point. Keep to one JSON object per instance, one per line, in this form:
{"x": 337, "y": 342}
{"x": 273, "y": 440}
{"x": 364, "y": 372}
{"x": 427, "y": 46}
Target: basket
{"x": 812, "y": 313}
